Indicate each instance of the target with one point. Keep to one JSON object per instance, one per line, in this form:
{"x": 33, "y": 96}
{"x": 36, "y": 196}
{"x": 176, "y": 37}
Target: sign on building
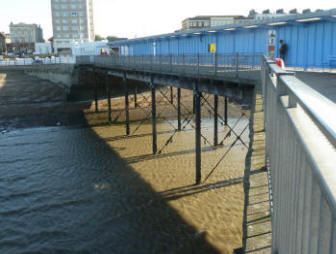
{"x": 212, "y": 48}
{"x": 271, "y": 43}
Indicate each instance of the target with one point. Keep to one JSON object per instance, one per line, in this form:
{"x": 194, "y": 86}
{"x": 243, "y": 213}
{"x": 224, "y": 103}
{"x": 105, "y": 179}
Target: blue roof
{"x": 323, "y": 15}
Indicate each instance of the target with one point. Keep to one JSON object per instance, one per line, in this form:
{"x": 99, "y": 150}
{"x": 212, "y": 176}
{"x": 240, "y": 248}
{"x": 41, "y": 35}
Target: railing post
{"x": 171, "y": 62}
{"x": 198, "y": 64}
{"x": 151, "y": 62}
{"x": 160, "y": 62}
{"x": 216, "y": 63}
{"x": 183, "y": 64}
{"x": 237, "y": 64}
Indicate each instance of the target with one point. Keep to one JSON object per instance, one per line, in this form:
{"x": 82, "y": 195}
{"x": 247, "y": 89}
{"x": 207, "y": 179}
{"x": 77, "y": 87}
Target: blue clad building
{"x": 311, "y": 40}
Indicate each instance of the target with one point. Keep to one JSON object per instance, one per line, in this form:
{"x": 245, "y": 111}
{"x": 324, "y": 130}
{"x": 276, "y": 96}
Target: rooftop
{"x": 267, "y": 22}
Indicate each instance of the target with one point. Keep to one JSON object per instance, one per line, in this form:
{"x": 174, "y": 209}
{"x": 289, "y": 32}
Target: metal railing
{"x": 243, "y": 66}
{"x": 300, "y": 129}
{"x": 39, "y": 61}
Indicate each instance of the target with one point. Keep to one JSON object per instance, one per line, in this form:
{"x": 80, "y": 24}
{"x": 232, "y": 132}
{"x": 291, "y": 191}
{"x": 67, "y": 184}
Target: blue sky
{"x": 136, "y": 18}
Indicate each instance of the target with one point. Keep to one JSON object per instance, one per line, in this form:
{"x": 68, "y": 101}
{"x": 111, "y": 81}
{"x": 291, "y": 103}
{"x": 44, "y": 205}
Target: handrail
{"x": 300, "y": 126}
{"x": 321, "y": 109}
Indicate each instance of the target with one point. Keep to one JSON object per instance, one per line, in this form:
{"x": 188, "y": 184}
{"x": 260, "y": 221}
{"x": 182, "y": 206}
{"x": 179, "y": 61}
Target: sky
{"x": 138, "y": 18}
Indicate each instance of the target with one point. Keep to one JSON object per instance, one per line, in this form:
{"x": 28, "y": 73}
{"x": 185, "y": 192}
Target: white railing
{"x": 300, "y": 129}
{"x": 31, "y": 61}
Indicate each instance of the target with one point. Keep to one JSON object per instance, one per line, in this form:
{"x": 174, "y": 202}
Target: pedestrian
{"x": 283, "y": 50}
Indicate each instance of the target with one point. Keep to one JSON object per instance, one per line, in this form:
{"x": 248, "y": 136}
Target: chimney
{"x": 280, "y": 11}
{"x": 294, "y": 11}
{"x": 306, "y": 11}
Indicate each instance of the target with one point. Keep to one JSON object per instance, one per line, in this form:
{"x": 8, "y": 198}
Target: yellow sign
{"x": 212, "y": 48}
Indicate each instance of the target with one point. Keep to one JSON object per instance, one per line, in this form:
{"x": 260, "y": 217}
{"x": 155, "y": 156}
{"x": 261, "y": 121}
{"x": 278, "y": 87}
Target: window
{"x": 74, "y": 21}
{"x": 65, "y": 28}
{"x": 74, "y": 14}
{"x": 65, "y": 21}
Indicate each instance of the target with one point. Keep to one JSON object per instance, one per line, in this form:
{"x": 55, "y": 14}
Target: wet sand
{"x": 214, "y": 208}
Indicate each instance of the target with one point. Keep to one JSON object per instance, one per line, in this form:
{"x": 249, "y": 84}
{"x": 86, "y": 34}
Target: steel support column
{"x": 226, "y": 111}
{"x": 108, "y": 92}
{"x": 198, "y": 134}
{"x": 152, "y": 85}
{"x": 179, "y": 125}
{"x": 215, "y": 120}
{"x": 126, "y": 104}
{"x": 171, "y": 95}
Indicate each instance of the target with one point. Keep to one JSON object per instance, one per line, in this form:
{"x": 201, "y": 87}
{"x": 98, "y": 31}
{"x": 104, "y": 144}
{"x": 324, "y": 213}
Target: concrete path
{"x": 324, "y": 83}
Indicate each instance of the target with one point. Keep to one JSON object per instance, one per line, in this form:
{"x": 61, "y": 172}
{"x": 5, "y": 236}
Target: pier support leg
{"x": 171, "y": 95}
{"x": 152, "y": 85}
{"x": 226, "y": 111}
{"x": 126, "y": 104}
{"x": 108, "y": 92}
{"x": 198, "y": 135}
{"x": 179, "y": 125}
{"x": 135, "y": 96}
{"x": 215, "y": 120}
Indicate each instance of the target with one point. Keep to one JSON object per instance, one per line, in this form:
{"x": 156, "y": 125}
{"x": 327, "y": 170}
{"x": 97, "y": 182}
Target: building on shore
{"x": 25, "y": 33}
{"x": 267, "y": 14}
{"x": 3, "y": 47}
{"x": 43, "y": 48}
{"x": 210, "y": 21}
{"x": 72, "y": 23}
{"x": 23, "y": 38}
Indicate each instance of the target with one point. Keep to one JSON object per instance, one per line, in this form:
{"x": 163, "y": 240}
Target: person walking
{"x": 283, "y": 50}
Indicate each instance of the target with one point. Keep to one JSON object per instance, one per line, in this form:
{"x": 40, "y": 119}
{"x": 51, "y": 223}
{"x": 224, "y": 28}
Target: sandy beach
{"x": 214, "y": 208}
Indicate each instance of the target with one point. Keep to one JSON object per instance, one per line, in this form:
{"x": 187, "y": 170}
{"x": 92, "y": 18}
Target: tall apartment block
{"x": 72, "y": 22}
